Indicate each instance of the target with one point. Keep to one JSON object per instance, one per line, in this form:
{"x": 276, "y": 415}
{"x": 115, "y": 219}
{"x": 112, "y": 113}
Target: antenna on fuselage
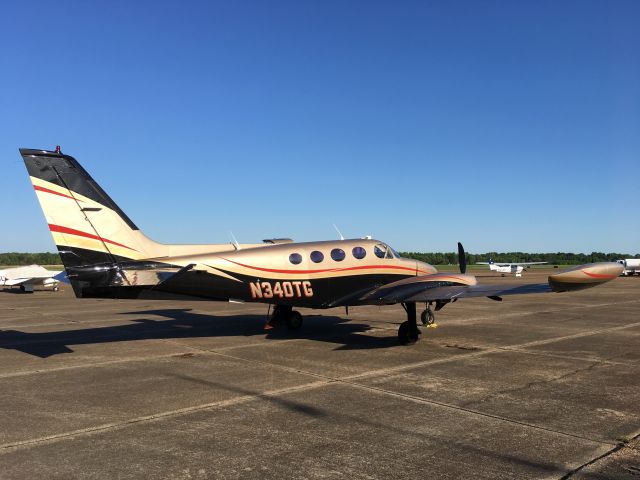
{"x": 235, "y": 242}
{"x": 339, "y": 232}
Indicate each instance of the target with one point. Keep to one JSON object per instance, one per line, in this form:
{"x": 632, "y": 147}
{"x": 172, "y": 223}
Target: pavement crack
{"x": 600, "y": 361}
{"x": 617, "y": 448}
{"x": 462, "y": 347}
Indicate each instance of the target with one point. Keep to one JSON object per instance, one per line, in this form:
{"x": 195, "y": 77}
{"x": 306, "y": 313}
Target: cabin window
{"x": 295, "y": 258}
{"x": 337, "y": 254}
{"x": 316, "y": 256}
{"x": 359, "y": 252}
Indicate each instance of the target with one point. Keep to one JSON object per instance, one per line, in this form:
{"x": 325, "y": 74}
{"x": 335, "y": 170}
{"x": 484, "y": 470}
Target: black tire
{"x": 405, "y": 336}
{"x": 294, "y": 321}
{"x": 427, "y": 317}
{"x": 280, "y": 314}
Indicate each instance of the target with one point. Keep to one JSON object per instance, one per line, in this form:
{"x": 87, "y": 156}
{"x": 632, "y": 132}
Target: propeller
{"x": 462, "y": 258}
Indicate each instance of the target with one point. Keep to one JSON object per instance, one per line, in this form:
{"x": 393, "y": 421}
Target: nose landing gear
{"x": 427, "y": 318}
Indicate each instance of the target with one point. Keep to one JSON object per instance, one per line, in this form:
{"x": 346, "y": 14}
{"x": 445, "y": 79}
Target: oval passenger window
{"x": 359, "y": 252}
{"x": 337, "y": 254}
{"x": 295, "y": 258}
{"x": 316, "y": 256}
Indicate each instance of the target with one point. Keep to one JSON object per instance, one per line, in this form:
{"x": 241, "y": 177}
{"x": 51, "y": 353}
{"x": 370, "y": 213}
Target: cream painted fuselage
{"x": 314, "y": 274}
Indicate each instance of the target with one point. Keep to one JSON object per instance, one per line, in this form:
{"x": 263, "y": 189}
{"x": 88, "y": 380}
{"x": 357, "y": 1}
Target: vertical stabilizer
{"x": 93, "y": 235}
{"x": 87, "y": 225}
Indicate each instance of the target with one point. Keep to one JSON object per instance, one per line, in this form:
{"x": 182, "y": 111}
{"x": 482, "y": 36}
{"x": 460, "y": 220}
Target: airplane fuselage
{"x": 314, "y": 274}
{"x": 517, "y": 269}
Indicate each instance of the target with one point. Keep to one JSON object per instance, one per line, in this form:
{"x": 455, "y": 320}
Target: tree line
{"x": 17, "y": 258}
{"x": 559, "y": 258}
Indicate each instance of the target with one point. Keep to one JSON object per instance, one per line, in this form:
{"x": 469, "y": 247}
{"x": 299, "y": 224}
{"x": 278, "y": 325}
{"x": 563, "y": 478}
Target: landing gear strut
{"x": 408, "y": 333}
{"x": 285, "y": 314}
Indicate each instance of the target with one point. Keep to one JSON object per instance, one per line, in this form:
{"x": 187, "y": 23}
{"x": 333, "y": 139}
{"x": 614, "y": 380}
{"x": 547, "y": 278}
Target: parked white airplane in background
{"x": 27, "y": 277}
{"x": 505, "y": 267}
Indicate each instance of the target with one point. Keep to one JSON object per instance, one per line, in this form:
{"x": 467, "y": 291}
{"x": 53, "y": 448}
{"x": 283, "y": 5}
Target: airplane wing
{"x": 448, "y": 287}
{"x": 526, "y": 263}
{"x": 14, "y": 282}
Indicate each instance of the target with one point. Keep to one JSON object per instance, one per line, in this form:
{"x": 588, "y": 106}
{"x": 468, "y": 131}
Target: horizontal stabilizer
{"x": 62, "y": 277}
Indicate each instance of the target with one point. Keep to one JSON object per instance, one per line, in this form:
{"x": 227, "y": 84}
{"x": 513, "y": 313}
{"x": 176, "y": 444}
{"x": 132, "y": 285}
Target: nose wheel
{"x": 428, "y": 318}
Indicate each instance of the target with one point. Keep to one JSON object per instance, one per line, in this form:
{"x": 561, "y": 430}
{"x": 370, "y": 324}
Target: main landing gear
{"x": 284, "y": 314}
{"x": 409, "y": 333}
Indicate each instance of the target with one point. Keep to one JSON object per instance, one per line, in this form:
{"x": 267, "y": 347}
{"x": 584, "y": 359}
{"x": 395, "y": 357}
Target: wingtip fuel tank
{"x": 584, "y": 276}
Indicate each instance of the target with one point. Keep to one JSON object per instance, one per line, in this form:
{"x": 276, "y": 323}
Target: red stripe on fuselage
{"x": 363, "y": 267}
{"x": 598, "y": 275}
{"x": 71, "y": 231}
{"x": 42, "y": 189}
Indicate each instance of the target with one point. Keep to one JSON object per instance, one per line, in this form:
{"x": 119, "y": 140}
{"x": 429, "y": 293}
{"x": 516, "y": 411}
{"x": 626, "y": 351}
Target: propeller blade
{"x": 462, "y": 258}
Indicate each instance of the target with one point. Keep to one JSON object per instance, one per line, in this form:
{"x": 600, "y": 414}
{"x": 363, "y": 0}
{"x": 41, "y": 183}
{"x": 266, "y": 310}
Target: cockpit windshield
{"x": 384, "y": 251}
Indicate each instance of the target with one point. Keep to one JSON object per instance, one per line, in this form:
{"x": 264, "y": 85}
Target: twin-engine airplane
{"x": 106, "y": 255}
{"x": 509, "y": 267}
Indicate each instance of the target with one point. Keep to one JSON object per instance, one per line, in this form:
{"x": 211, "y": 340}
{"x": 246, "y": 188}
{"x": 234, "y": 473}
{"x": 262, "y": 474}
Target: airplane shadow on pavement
{"x": 183, "y": 323}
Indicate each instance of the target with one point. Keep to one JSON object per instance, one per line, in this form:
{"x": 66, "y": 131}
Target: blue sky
{"x": 505, "y": 125}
